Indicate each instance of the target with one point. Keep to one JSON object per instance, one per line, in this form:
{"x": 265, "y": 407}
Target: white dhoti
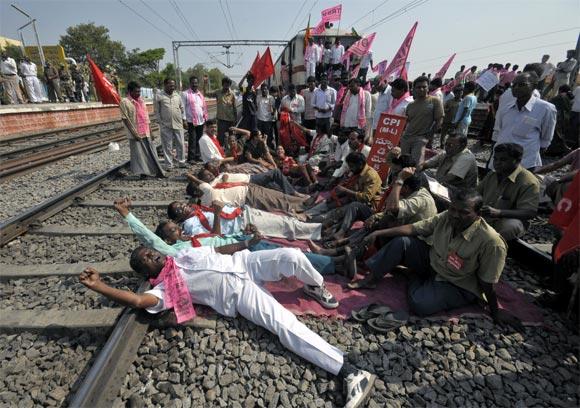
{"x": 33, "y": 88}
{"x": 281, "y": 226}
{"x": 310, "y": 67}
{"x": 260, "y": 307}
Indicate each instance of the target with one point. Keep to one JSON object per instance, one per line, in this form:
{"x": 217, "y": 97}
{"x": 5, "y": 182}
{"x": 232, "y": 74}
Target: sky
{"x": 516, "y": 31}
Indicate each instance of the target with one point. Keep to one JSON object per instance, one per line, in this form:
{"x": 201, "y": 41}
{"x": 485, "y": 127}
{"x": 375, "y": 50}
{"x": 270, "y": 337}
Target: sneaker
{"x": 358, "y": 388}
{"x": 321, "y": 295}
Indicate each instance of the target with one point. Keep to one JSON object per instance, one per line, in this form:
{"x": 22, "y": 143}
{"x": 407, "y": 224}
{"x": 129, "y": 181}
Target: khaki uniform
{"x": 169, "y": 113}
{"x": 519, "y": 191}
{"x": 463, "y": 165}
{"x": 420, "y": 117}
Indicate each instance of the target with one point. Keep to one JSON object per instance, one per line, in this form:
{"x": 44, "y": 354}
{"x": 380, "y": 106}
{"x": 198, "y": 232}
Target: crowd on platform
{"x": 22, "y": 82}
{"x": 295, "y": 167}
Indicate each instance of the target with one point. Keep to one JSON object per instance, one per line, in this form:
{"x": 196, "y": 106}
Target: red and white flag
{"x": 331, "y": 14}
{"x": 380, "y": 67}
{"x": 318, "y": 29}
{"x": 398, "y": 62}
{"x": 566, "y": 216}
{"x": 362, "y": 46}
{"x": 105, "y": 89}
{"x": 441, "y": 73}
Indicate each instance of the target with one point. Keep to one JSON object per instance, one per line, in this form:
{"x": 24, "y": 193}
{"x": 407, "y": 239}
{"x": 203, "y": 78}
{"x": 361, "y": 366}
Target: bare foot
{"x": 317, "y": 249}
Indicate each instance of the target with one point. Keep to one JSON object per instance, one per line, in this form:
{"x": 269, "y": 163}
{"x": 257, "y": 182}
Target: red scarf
{"x": 361, "y": 118}
{"x": 218, "y": 146}
{"x": 198, "y": 210}
{"x": 234, "y": 150}
{"x": 348, "y": 183}
{"x": 177, "y": 294}
{"x": 228, "y": 184}
{"x": 195, "y": 239}
{"x": 396, "y": 102}
{"x": 315, "y": 143}
{"x": 287, "y": 164}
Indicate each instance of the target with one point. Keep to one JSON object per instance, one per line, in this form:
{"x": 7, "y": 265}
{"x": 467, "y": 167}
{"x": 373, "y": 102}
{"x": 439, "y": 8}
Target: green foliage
{"x": 91, "y": 39}
{"x": 12, "y": 51}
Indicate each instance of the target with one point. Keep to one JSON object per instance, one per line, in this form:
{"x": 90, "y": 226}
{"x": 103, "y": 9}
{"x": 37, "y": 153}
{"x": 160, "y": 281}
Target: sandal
{"x": 389, "y": 321}
{"x": 369, "y": 312}
{"x": 362, "y": 284}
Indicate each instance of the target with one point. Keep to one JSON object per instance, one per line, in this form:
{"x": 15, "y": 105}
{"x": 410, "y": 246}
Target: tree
{"x": 12, "y": 51}
{"x": 142, "y": 66}
{"x": 94, "y": 40}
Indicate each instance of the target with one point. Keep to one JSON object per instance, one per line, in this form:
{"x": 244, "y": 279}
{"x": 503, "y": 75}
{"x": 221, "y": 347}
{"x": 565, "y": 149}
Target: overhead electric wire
{"x": 146, "y": 20}
{"x": 295, "y": 19}
{"x": 226, "y": 19}
{"x": 370, "y": 12}
{"x": 409, "y": 6}
{"x": 231, "y": 19}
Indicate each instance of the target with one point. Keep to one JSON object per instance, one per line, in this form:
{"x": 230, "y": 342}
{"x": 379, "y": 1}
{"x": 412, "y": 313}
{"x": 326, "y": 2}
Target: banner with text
{"x": 331, "y": 14}
{"x": 387, "y": 135}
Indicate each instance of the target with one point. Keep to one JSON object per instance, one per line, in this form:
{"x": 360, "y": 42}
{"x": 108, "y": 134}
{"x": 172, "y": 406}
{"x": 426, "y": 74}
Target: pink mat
{"x": 391, "y": 292}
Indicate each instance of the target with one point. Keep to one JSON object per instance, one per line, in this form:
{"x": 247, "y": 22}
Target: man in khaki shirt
{"x": 510, "y": 193}
{"x": 461, "y": 267}
{"x": 169, "y": 113}
{"x": 457, "y": 166}
{"x": 424, "y": 118}
{"x": 227, "y": 113}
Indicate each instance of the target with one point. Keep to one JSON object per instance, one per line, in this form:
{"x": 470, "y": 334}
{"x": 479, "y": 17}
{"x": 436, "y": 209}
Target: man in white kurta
{"x": 31, "y": 82}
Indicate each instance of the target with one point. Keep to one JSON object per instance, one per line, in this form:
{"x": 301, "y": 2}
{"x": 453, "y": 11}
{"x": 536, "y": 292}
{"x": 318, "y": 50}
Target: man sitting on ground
{"x": 209, "y": 145}
{"x": 356, "y": 143}
{"x": 556, "y": 187}
{"x": 462, "y": 265}
{"x": 456, "y": 166}
{"x": 228, "y": 279}
{"x": 510, "y": 193}
{"x": 255, "y": 149}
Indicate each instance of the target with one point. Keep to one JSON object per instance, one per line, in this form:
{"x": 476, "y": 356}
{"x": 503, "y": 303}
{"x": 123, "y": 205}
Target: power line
{"x": 146, "y": 20}
{"x": 399, "y": 12}
{"x": 226, "y": 18}
{"x": 370, "y": 12}
{"x": 503, "y": 43}
{"x": 231, "y": 19}
{"x": 309, "y": 11}
{"x": 295, "y": 19}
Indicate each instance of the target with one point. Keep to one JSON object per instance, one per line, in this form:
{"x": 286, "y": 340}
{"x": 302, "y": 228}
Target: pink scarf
{"x": 191, "y": 101}
{"x": 177, "y": 294}
{"x": 361, "y": 119}
{"x": 141, "y": 115}
{"x": 396, "y": 102}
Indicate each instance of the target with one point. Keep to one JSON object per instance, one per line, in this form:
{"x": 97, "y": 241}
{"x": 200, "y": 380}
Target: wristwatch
{"x": 399, "y": 182}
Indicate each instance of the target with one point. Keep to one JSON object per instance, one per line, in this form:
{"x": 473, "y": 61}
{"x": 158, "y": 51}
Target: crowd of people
{"x": 295, "y": 167}
{"x": 22, "y": 82}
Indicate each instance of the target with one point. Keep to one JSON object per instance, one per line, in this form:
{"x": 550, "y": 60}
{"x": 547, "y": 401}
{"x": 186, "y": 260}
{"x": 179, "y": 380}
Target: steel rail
{"x": 19, "y": 224}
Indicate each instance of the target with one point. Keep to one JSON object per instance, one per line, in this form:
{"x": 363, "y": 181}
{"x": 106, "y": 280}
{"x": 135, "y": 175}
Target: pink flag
{"x": 355, "y": 71}
{"x": 448, "y": 87}
{"x": 444, "y": 68}
{"x": 331, "y": 14}
{"x": 380, "y": 67}
{"x": 362, "y": 46}
{"x": 319, "y": 29}
{"x": 398, "y": 62}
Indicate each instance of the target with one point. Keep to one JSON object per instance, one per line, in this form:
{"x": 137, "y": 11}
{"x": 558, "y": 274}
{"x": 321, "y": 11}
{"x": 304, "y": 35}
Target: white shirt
{"x": 311, "y": 53}
{"x": 337, "y": 53}
{"x": 235, "y": 196}
{"x": 294, "y": 105}
{"x": 340, "y": 150}
{"x": 197, "y": 117}
{"x": 8, "y": 66}
{"x": 532, "y": 128}
{"x": 401, "y": 107}
{"x": 28, "y": 68}
{"x": 548, "y": 68}
{"x": 366, "y": 60}
{"x": 326, "y": 55}
{"x": 324, "y": 99}
{"x": 213, "y": 279}
{"x": 208, "y": 150}
{"x": 192, "y": 226}
{"x": 383, "y": 103}
{"x": 266, "y": 106}
{"x": 439, "y": 94}
{"x": 576, "y": 104}
{"x": 448, "y": 97}
{"x": 309, "y": 112}
{"x": 351, "y": 115}
{"x": 344, "y": 169}
{"x": 231, "y": 178}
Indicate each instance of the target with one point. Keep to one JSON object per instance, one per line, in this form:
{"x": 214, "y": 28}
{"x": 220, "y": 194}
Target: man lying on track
{"x": 228, "y": 279}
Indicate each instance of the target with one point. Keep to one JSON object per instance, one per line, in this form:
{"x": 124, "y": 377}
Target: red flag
{"x": 397, "y": 65}
{"x": 254, "y": 67}
{"x": 362, "y": 46}
{"x": 105, "y": 90}
{"x": 566, "y": 216}
{"x": 307, "y": 35}
{"x": 265, "y": 68}
{"x": 444, "y": 68}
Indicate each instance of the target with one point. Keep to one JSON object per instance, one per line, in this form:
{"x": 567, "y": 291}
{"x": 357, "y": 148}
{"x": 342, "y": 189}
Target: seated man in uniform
{"x": 464, "y": 261}
{"x": 456, "y": 166}
{"x": 228, "y": 279}
{"x": 510, "y": 193}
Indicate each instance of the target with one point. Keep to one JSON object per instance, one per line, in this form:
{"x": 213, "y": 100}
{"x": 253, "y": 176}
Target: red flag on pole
{"x": 566, "y": 216}
{"x": 444, "y": 68}
{"x": 254, "y": 67}
{"x": 362, "y": 46}
{"x": 265, "y": 68}
{"x": 397, "y": 65}
{"x": 105, "y": 90}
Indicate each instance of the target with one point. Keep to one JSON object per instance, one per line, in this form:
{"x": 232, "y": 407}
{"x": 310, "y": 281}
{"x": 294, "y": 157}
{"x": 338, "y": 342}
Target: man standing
{"x": 134, "y": 114}
{"x": 365, "y": 61}
{"x": 547, "y": 69}
{"x": 293, "y": 103}
{"x": 510, "y": 193}
{"x": 227, "y": 113}
{"x": 356, "y": 110}
{"x": 462, "y": 117}
{"x": 66, "y": 83}
{"x": 471, "y": 75}
{"x": 265, "y": 114}
{"x": 528, "y": 120}
{"x": 324, "y": 101}
{"x": 195, "y": 113}
{"x": 311, "y": 58}
{"x": 10, "y": 80}
{"x": 424, "y": 119}
{"x": 169, "y": 112}
{"x": 31, "y": 82}
{"x": 309, "y": 112}
{"x": 336, "y": 57}
{"x": 563, "y": 70}
{"x": 459, "y": 73}
{"x": 53, "y": 83}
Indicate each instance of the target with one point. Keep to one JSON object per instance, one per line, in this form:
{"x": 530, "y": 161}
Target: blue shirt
{"x": 468, "y": 103}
